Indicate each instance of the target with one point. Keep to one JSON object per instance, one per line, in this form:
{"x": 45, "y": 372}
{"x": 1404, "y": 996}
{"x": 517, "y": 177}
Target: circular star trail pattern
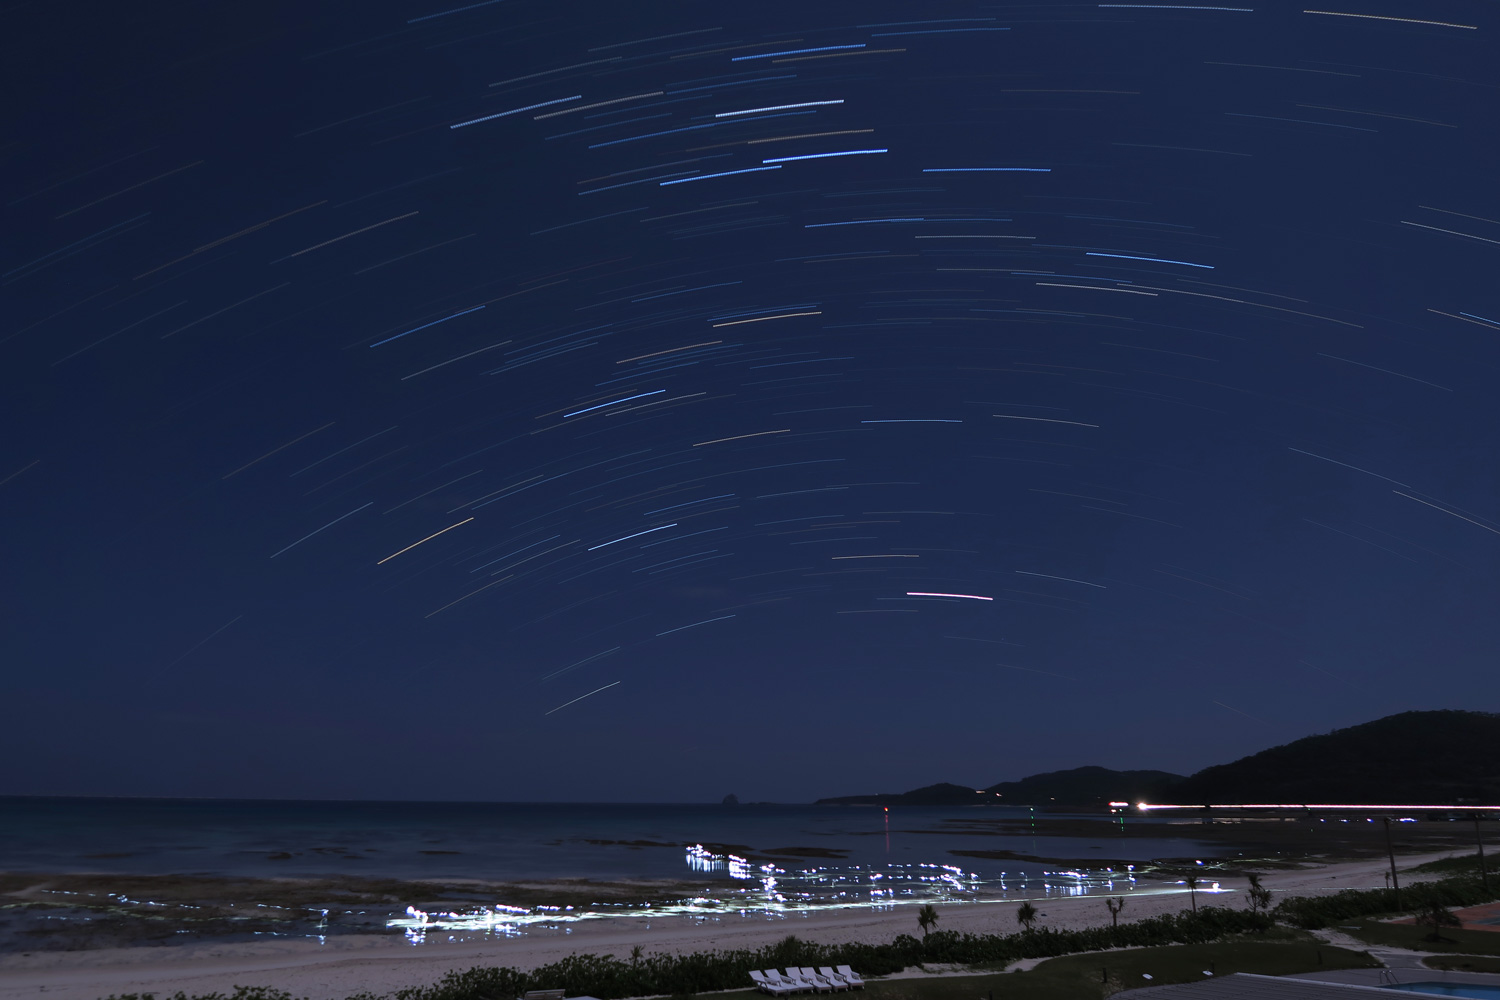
{"x": 572, "y": 401}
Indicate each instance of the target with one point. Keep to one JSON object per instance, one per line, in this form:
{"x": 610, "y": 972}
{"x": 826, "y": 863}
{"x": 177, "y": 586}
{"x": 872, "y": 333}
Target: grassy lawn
{"x": 1415, "y": 938}
{"x": 1081, "y": 977}
{"x": 1463, "y": 963}
{"x": 1463, "y": 864}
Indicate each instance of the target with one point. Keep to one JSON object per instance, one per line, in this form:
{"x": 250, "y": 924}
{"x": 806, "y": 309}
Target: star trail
{"x": 766, "y": 348}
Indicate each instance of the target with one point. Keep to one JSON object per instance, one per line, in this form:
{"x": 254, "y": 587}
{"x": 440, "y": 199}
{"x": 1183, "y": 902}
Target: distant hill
{"x": 1416, "y": 758}
{"x": 942, "y": 794}
{"x": 1087, "y": 786}
{"x": 1081, "y": 786}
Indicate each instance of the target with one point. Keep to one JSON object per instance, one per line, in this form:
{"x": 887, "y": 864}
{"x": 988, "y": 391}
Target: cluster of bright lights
{"x": 497, "y": 921}
{"x": 769, "y": 890}
{"x": 701, "y": 859}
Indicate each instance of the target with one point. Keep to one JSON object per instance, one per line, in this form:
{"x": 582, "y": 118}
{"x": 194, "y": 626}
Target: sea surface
{"x": 743, "y": 858}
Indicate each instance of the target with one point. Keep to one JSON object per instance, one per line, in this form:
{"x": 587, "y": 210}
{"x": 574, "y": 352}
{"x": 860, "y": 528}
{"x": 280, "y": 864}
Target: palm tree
{"x": 1260, "y": 896}
{"x": 635, "y": 955}
{"x": 1115, "y": 904}
{"x": 1439, "y": 917}
{"x": 1192, "y": 884}
{"x": 1027, "y": 915}
{"x": 927, "y": 917}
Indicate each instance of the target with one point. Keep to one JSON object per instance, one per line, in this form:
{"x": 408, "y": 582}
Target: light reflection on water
{"x": 771, "y": 891}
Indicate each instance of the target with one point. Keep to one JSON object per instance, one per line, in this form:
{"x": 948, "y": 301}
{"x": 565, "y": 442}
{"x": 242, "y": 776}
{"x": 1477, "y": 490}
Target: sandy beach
{"x": 380, "y": 964}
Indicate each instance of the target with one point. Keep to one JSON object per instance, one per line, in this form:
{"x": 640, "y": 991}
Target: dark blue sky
{"x": 380, "y": 380}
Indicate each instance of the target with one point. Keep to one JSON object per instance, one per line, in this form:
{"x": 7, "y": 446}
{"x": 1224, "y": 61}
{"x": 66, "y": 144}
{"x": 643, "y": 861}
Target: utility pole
{"x": 1484, "y": 876}
{"x": 1391, "y": 851}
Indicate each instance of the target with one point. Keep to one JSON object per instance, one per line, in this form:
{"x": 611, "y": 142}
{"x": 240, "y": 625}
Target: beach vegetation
{"x": 1115, "y": 904}
{"x": 1027, "y": 915}
{"x": 1313, "y": 912}
{"x": 238, "y": 993}
{"x": 1258, "y": 895}
{"x": 927, "y": 918}
{"x": 1437, "y": 916}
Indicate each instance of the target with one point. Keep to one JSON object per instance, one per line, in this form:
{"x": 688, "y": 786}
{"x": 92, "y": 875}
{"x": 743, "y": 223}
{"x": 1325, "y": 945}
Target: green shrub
{"x": 1312, "y": 912}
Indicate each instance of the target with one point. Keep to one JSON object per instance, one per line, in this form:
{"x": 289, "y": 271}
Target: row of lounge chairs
{"x": 806, "y": 980}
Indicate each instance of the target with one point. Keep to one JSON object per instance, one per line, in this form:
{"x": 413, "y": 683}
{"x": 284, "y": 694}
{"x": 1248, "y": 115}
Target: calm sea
{"x": 501, "y": 841}
{"x": 850, "y": 855}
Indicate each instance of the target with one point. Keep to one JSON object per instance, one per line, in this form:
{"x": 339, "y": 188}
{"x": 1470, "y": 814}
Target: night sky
{"x": 590, "y": 401}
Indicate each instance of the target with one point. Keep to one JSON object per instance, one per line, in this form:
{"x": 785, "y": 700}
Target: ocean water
{"x": 502, "y": 841}
{"x": 734, "y": 859}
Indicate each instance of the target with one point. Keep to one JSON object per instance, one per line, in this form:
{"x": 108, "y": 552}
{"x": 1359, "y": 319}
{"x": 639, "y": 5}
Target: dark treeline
{"x": 657, "y": 974}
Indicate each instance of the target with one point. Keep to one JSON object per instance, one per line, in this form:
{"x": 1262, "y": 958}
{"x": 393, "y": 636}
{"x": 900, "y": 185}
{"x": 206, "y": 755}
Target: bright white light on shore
{"x": 758, "y": 890}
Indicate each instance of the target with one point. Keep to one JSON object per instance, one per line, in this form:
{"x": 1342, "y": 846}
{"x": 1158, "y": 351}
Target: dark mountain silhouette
{"x": 1087, "y": 786}
{"x": 1414, "y": 758}
{"x": 1446, "y": 757}
{"x": 942, "y": 794}
{"x": 1077, "y": 787}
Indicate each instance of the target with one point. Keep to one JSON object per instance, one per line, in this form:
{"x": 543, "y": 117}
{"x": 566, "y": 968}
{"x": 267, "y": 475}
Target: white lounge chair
{"x": 794, "y": 985}
{"x": 851, "y": 977}
{"x": 795, "y": 975}
{"x": 838, "y": 981}
{"x": 776, "y": 989}
{"x": 832, "y": 984}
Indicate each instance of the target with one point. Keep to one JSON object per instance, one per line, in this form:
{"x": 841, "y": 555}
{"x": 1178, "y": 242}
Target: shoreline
{"x": 347, "y": 964}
